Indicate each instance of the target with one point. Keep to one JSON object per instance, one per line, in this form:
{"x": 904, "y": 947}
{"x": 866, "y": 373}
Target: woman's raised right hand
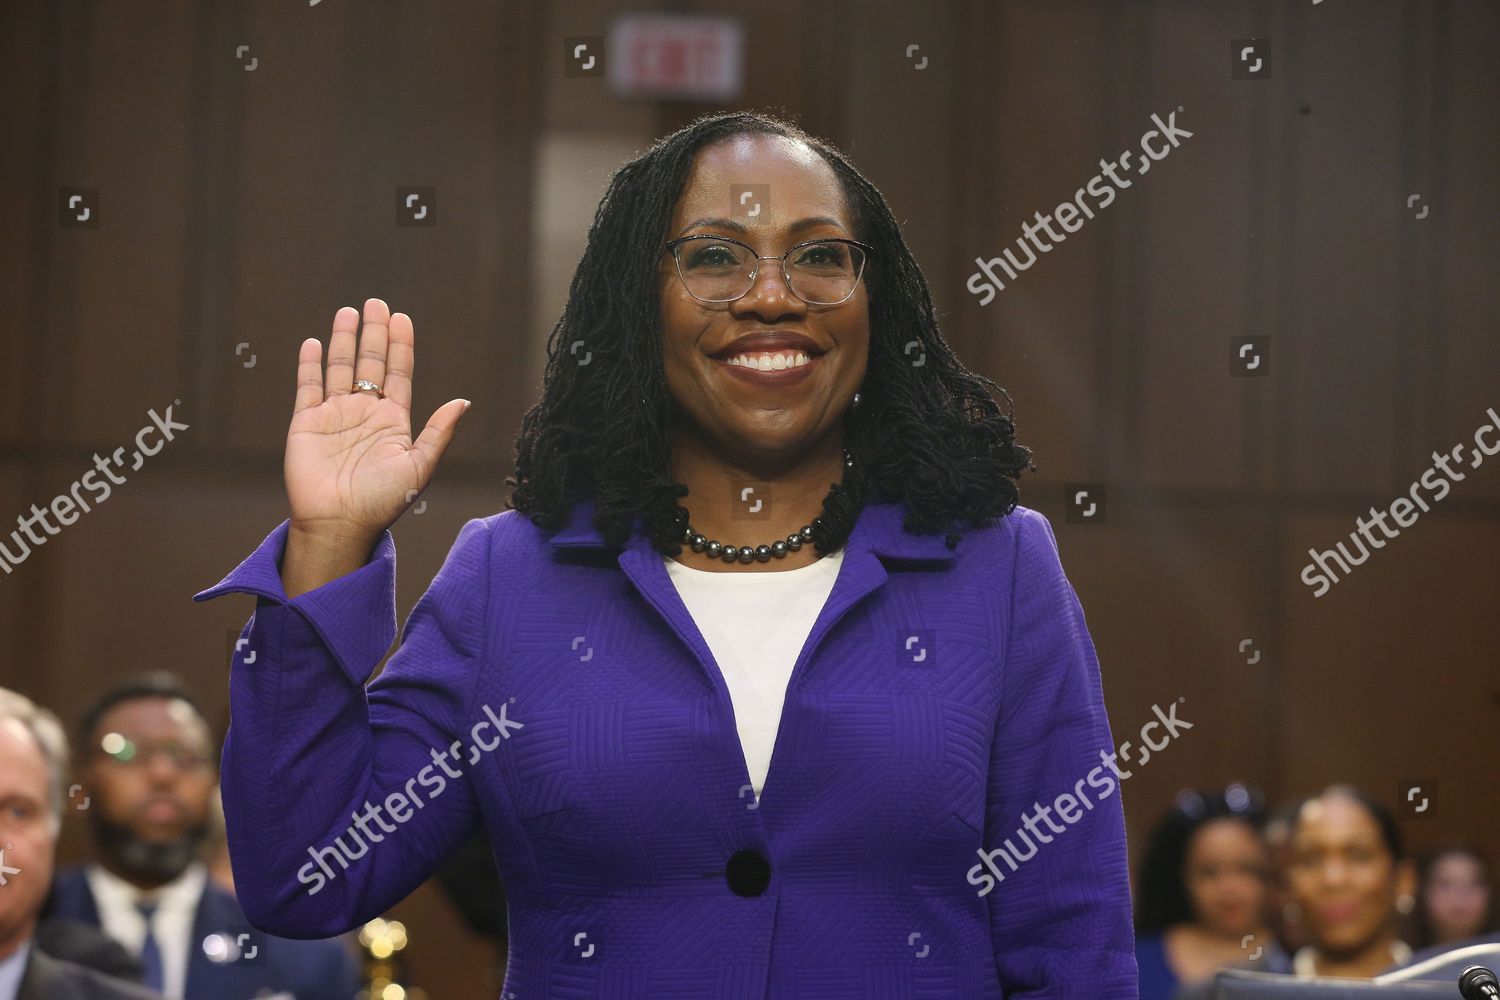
{"x": 351, "y": 466}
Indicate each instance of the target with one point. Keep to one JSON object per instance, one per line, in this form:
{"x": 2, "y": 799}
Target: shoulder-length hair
{"x": 927, "y": 433}
{"x": 1162, "y": 899}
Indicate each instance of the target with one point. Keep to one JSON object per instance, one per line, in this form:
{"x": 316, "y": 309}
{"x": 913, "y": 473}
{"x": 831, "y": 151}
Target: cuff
{"x": 354, "y": 615}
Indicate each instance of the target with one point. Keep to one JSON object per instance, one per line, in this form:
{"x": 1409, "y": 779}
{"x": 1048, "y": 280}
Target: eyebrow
{"x": 739, "y": 227}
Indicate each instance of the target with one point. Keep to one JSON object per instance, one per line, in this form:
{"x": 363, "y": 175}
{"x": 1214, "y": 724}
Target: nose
{"x": 162, "y": 769}
{"x": 1335, "y": 872}
{"x": 769, "y": 297}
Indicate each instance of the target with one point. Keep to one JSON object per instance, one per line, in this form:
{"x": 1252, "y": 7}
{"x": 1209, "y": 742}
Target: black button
{"x": 748, "y": 873}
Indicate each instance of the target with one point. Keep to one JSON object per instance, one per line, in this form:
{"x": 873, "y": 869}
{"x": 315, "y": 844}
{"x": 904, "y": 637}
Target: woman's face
{"x": 1342, "y": 875}
{"x": 730, "y": 408}
{"x": 1225, "y": 872}
{"x": 1457, "y": 897}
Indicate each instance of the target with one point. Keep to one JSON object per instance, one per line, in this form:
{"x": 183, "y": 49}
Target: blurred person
{"x": 1455, "y": 897}
{"x": 147, "y": 764}
{"x": 1352, "y": 882}
{"x": 1202, "y": 892}
{"x": 697, "y": 351}
{"x": 1284, "y": 913}
{"x": 33, "y": 770}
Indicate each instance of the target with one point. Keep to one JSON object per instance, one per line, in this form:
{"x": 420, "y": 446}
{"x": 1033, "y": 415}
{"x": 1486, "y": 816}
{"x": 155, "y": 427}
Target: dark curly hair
{"x": 930, "y": 434}
{"x": 1162, "y": 898}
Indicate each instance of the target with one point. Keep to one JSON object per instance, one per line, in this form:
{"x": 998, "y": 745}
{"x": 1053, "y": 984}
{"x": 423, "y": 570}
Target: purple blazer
{"x": 554, "y": 690}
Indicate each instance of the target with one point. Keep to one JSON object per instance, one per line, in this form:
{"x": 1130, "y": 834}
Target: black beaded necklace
{"x": 752, "y": 553}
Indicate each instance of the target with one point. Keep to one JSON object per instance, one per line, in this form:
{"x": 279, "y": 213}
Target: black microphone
{"x": 1478, "y": 983}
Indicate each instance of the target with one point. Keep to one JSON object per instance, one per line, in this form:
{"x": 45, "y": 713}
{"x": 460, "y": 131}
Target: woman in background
{"x": 1350, "y": 881}
{"x": 1456, "y": 898}
{"x": 1201, "y": 900}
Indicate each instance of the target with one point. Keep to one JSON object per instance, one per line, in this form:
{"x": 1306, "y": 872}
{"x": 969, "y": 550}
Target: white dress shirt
{"x": 171, "y": 924}
{"x": 755, "y": 625}
{"x": 12, "y": 969}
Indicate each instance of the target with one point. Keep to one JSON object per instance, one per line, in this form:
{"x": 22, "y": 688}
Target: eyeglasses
{"x": 126, "y": 751}
{"x": 819, "y": 272}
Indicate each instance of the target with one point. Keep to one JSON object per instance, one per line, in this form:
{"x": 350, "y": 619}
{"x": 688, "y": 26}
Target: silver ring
{"x": 365, "y": 385}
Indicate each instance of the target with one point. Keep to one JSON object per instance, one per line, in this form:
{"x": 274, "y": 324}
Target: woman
{"x": 1202, "y": 896}
{"x": 1456, "y": 898}
{"x": 1350, "y": 880}
{"x": 759, "y": 505}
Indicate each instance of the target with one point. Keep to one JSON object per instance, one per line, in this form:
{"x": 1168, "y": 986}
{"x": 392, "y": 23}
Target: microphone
{"x": 1478, "y": 983}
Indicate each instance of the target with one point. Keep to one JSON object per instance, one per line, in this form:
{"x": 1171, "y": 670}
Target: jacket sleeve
{"x": 340, "y": 799}
{"x": 1060, "y": 898}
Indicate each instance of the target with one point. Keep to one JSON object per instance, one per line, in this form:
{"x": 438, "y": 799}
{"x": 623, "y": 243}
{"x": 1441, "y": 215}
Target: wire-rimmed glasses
{"x": 717, "y": 269}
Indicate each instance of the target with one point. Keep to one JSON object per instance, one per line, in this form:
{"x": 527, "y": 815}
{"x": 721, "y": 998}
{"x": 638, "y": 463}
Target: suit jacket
{"x": 48, "y": 978}
{"x": 308, "y": 970}
{"x": 86, "y": 945}
{"x": 554, "y": 691}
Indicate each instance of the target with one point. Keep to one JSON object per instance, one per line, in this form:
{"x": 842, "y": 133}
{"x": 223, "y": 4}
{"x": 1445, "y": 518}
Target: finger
{"x": 400, "y": 359}
{"x": 341, "y": 352}
{"x": 370, "y": 363}
{"x": 434, "y": 438}
{"x": 309, "y": 374}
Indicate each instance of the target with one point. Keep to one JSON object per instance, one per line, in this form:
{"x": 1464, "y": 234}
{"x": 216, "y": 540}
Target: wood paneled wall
{"x": 243, "y": 207}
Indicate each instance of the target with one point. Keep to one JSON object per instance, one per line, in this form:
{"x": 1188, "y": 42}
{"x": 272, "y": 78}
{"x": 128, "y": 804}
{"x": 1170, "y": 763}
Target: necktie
{"x": 150, "y": 953}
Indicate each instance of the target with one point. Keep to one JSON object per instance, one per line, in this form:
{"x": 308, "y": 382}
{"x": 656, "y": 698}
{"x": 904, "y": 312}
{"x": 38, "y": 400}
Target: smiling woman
{"x": 742, "y": 282}
{"x": 725, "y": 723}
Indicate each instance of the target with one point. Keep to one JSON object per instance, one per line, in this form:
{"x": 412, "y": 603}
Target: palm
{"x": 351, "y": 464}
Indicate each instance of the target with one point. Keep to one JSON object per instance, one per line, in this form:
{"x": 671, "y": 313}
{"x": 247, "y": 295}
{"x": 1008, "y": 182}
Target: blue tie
{"x": 150, "y": 953}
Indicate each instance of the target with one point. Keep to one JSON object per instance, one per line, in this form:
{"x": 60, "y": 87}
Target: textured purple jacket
{"x": 554, "y": 690}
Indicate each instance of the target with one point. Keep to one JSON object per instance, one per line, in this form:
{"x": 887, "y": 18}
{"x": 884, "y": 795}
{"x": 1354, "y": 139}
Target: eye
{"x": 825, "y": 255}
{"x": 711, "y": 255}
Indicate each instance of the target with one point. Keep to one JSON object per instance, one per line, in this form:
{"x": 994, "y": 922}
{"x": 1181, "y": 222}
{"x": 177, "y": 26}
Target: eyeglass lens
{"x": 819, "y": 273}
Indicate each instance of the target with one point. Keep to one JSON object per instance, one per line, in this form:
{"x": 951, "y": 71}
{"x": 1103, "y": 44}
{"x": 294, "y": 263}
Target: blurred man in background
{"x": 148, "y": 763}
{"x": 33, "y": 768}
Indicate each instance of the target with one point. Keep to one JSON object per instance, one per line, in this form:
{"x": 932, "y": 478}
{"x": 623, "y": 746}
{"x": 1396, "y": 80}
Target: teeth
{"x": 769, "y": 362}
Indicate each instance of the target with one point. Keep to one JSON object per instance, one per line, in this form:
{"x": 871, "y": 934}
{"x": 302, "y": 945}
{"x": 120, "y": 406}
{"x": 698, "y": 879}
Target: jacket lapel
{"x": 877, "y": 536}
{"x": 72, "y": 898}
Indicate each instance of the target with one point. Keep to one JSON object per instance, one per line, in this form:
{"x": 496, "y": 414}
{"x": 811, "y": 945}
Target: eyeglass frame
{"x": 671, "y": 247}
{"x": 143, "y": 752}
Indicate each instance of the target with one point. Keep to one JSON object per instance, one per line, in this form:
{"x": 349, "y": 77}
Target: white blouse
{"x": 755, "y": 625}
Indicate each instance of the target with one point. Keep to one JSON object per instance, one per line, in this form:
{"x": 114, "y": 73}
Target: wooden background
{"x": 244, "y": 207}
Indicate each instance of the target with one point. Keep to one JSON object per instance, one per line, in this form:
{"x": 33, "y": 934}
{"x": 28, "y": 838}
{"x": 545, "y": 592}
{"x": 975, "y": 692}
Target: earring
{"x": 854, "y": 403}
{"x": 1406, "y": 903}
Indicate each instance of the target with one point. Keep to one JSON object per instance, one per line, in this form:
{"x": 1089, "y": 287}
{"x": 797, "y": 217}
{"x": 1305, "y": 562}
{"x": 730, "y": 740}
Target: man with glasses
{"x": 148, "y": 765}
{"x": 33, "y": 776}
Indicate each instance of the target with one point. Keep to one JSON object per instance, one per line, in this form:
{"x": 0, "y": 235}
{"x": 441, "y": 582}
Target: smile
{"x": 769, "y": 368}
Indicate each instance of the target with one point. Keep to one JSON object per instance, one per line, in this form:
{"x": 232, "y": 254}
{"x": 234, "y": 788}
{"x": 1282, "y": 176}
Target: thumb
{"x": 433, "y": 440}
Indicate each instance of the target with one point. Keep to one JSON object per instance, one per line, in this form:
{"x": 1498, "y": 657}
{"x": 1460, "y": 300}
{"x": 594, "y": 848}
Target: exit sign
{"x": 676, "y": 57}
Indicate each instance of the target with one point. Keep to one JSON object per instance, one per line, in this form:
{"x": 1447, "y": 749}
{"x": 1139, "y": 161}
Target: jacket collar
{"x": 878, "y": 528}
